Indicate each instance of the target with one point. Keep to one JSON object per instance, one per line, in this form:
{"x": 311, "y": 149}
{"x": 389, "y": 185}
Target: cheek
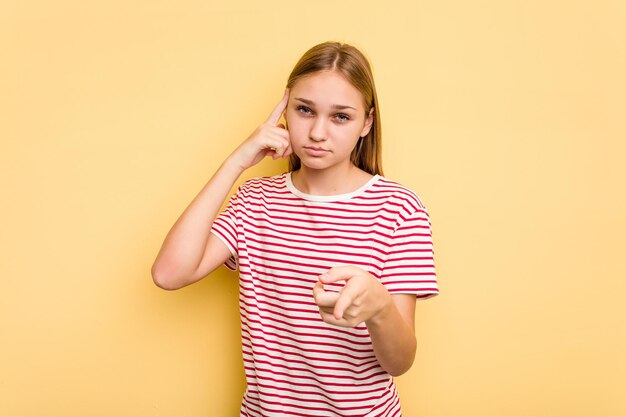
{"x": 349, "y": 134}
{"x": 295, "y": 124}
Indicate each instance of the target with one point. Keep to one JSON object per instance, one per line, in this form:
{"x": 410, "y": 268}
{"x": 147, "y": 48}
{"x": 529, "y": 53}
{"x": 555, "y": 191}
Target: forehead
{"x": 327, "y": 88}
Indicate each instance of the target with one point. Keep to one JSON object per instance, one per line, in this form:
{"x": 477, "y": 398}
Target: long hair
{"x": 352, "y": 64}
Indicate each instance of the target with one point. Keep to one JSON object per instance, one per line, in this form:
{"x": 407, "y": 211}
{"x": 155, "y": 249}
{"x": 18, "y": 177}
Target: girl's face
{"x": 326, "y": 117}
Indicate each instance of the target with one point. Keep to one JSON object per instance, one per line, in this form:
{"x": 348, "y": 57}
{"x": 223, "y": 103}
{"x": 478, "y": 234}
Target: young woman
{"x": 331, "y": 255}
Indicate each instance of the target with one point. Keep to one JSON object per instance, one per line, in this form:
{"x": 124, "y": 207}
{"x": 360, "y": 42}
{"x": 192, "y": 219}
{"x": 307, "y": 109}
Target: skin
{"x": 317, "y": 120}
{"x": 326, "y": 117}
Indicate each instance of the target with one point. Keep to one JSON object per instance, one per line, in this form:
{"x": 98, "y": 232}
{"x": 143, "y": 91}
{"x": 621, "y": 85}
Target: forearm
{"x": 189, "y": 252}
{"x": 185, "y": 244}
{"x": 393, "y": 340}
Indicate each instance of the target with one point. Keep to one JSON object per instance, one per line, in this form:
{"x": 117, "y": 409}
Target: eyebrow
{"x": 334, "y": 106}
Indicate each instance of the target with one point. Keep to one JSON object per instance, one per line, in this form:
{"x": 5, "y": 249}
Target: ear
{"x": 368, "y": 123}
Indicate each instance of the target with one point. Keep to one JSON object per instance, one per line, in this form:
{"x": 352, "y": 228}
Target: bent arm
{"x": 393, "y": 334}
{"x": 190, "y": 251}
{"x": 390, "y": 319}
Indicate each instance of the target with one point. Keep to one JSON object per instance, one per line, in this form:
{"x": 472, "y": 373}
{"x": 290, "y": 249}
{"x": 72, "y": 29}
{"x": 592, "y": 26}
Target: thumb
{"x": 324, "y": 298}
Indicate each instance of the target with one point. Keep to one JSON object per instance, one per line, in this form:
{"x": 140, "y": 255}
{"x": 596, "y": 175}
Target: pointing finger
{"x": 338, "y": 273}
{"x": 279, "y": 109}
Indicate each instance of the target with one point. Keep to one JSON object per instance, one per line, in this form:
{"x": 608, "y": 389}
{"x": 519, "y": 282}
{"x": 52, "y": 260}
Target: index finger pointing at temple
{"x": 279, "y": 109}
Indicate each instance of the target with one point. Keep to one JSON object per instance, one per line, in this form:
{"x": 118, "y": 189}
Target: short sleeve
{"x": 410, "y": 264}
{"x": 225, "y": 228}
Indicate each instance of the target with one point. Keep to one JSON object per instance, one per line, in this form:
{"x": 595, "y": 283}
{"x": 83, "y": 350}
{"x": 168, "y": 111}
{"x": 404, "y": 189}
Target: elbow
{"x": 403, "y": 363}
{"x": 398, "y": 371}
{"x": 163, "y": 279}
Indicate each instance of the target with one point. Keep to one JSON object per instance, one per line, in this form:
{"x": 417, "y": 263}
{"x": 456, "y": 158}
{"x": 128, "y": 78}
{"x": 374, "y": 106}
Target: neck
{"x": 338, "y": 180}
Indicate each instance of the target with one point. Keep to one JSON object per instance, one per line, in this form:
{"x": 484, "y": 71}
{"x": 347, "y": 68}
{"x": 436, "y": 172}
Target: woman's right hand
{"x": 269, "y": 139}
{"x": 190, "y": 251}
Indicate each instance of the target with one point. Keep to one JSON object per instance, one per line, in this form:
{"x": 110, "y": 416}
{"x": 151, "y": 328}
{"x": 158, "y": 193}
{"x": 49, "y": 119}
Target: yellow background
{"x": 506, "y": 117}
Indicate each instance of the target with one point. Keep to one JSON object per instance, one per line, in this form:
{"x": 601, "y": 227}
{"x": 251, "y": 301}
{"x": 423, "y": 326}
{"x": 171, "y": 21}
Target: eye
{"x": 342, "y": 117}
{"x": 304, "y": 110}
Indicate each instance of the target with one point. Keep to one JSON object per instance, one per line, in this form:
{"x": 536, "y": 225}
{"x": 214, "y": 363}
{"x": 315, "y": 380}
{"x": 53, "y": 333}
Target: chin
{"x": 317, "y": 165}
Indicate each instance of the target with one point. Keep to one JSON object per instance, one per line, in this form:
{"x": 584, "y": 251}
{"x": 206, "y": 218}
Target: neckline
{"x": 328, "y": 198}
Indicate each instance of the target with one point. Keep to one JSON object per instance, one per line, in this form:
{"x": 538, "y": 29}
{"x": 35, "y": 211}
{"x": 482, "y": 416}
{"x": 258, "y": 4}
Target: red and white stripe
{"x": 282, "y": 240}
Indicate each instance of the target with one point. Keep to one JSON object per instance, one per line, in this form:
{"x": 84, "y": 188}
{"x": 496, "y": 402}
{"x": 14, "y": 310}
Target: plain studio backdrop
{"x": 506, "y": 117}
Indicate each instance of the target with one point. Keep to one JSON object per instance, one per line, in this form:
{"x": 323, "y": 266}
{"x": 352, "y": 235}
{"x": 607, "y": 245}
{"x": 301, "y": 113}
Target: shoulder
{"x": 409, "y": 211}
{"x": 399, "y": 194}
{"x": 269, "y": 187}
{"x": 275, "y": 182}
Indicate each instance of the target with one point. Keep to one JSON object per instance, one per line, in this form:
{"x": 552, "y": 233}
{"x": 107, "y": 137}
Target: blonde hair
{"x": 352, "y": 64}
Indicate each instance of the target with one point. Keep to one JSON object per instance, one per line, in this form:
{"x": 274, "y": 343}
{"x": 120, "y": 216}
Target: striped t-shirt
{"x": 281, "y": 240}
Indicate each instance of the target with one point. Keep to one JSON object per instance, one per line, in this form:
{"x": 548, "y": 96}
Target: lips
{"x": 315, "y": 151}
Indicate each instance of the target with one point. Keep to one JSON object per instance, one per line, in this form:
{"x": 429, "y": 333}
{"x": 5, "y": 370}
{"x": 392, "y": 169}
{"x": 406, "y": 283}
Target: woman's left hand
{"x": 363, "y": 297}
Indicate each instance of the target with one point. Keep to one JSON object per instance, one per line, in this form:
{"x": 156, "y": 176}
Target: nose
{"x": 319, "y": 131}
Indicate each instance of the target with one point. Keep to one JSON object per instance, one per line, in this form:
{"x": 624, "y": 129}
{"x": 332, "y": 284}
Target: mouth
{"x": 316, "y": 151}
